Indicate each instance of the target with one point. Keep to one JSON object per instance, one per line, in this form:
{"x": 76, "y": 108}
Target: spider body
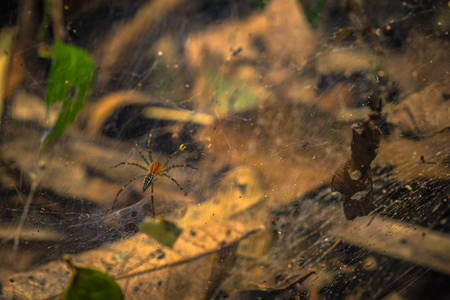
{"x": 148, "y": 180}
{"x": 154, "y": 169}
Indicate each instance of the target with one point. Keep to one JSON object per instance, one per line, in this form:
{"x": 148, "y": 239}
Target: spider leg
{"x": 123, "y": 187}
{"x": 131, "y": 164}
{"x": 171, "y": 178}
{"x": 153, "y": 205}
{"x": 142, "y": 155}
{"x": 176, "y": 152}
{"x": 179, "y": 166}
{"x": 148, "y": 147}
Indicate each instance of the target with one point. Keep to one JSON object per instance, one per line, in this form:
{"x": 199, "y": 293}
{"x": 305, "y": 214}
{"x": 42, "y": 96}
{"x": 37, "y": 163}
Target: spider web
{"x": 302, "y": 134}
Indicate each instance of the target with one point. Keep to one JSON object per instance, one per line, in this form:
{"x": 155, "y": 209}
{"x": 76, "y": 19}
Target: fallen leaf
{"x": 143, "y": 268}
{"x": 239, "y": 190}
{"x": 91, "y": 284}
{"x": 424, "y": 113}
{"x": 164, "y": 231}
{"x": 353, "y": 179}
{"x": 243, "y": 82}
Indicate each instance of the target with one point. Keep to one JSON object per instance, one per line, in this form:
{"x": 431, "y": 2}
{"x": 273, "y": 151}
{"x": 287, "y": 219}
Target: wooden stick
{"x": 412, "y": 243}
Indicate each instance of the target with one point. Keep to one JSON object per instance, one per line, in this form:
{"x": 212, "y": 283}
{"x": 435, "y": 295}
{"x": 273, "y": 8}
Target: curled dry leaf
{"x": 353, "y": 179}
{"x": 132, "y": 106}
{"x": 96, "y": 114}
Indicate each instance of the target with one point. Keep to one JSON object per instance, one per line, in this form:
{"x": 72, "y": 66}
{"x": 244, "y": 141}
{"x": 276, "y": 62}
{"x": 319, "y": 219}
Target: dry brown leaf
{"x": 423, "y": 113}
{"x": 240, "y": 197}
{"x": 435, "y": 150}
{"x": 353, "y": 179}
{"x": 422, "y": 120}
{"x": 27, "y": 107}
{"x": 239, "y": 190}
{"x": 347, "y": 61}
{"x": 97, "y": 113}
{"x": 143, "y": 268}
{"x": 269, "y": 27}
{"x": 243, "y": 50}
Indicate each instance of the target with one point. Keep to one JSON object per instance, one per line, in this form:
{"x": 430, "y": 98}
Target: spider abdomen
{"x": 147, "y": 181}
{"x": 154, "y": 170}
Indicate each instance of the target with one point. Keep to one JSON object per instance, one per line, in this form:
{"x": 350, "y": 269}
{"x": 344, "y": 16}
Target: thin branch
{"x": 58, "y": 20}
{"x": 23, "y": 217}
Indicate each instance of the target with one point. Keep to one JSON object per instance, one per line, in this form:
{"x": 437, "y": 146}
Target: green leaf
{"x": 91, "y": 284}
{"x": 165, "y": 232}
{"x": 312, "y": 9}
{"x": 70, "y": 78}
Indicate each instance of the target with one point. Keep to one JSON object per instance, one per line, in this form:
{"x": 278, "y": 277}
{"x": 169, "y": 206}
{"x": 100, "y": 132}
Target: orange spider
{"x": 154, "y": 169}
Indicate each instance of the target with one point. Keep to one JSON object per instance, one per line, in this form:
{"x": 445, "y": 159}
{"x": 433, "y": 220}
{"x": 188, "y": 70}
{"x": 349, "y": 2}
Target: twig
{"x": 23, "y": 217}
{"x": 58, "y": 20}
{"x": 412, "y": 243}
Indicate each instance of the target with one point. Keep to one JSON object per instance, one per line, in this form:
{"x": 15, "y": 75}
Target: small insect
{"x": 235, "y": 52}
{"x": 154, "y": 170}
